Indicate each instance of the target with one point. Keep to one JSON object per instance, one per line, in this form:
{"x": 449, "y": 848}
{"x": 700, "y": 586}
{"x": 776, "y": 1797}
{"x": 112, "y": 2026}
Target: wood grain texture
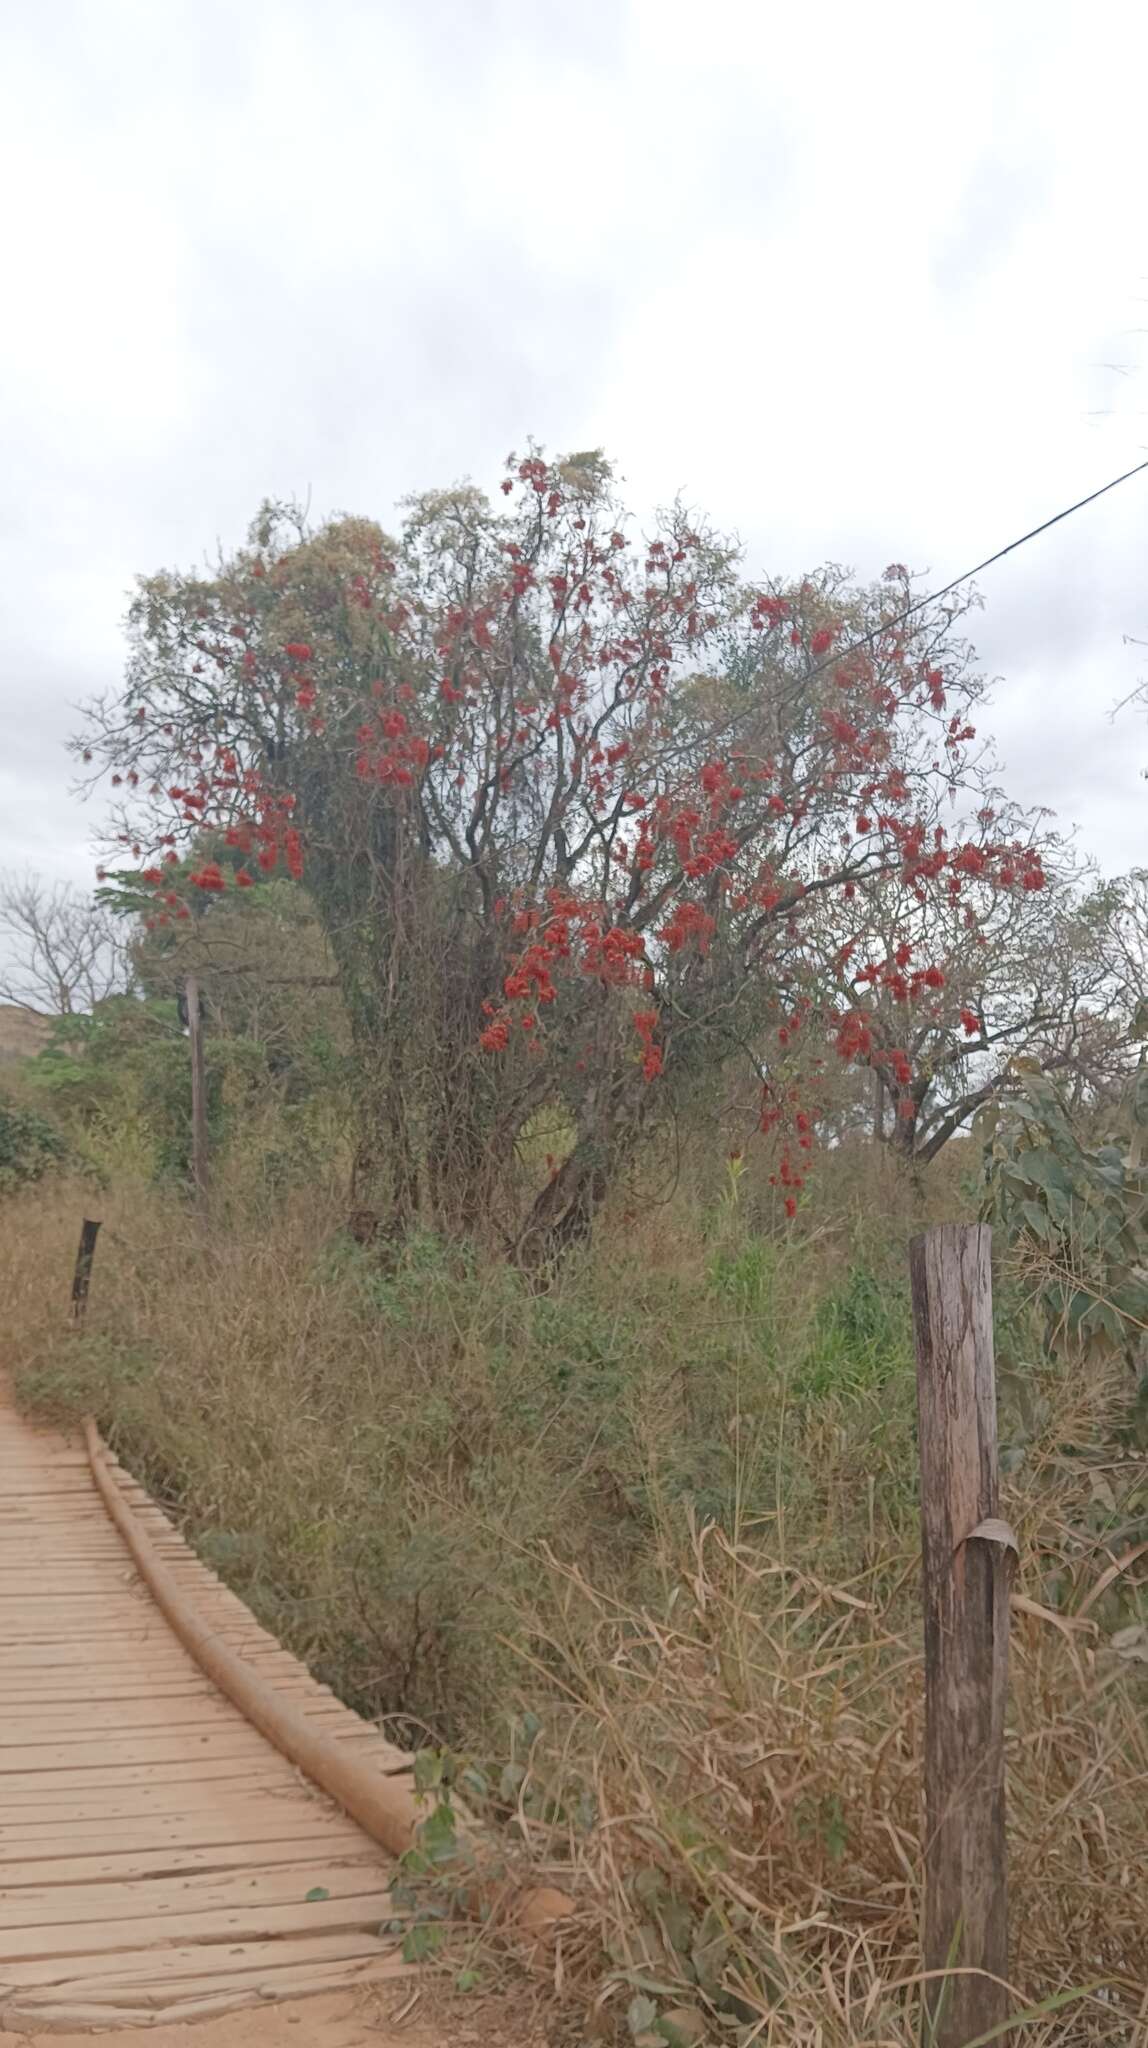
{"x": 966, "y": 1602}
{"x": 158, "y": 1857}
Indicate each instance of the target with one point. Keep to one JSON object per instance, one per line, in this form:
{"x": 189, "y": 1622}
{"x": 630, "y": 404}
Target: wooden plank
{"x": 124, "y": 1608}
{"x": 18, "y": 1699}
{"x": 96, "y": 1975}
{"x": 315, "y": 1850}
{"x": 24, "y": 1946}
{"x": 966, "y": 1596}
{"x": 183, "y": 1893}
{"x": 272, "y": 1819}
{"x": 71, "y": 1581}
{"x": 15, "y": 1785}
{"x": 194, "y": 1999}
{"x": 73, "y": 1486}
{"x": 234, "y": 1737}
{"x": 75, "y": 1725}
{"x": 133, "y": 1666}
{"x": 161, "y": 1651}
{"x": 140, "y": 1628}
{"x": 277, "y": 1784}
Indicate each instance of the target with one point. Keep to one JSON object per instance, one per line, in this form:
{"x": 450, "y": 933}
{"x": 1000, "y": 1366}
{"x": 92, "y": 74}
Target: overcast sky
{"x": 865, "y": 283}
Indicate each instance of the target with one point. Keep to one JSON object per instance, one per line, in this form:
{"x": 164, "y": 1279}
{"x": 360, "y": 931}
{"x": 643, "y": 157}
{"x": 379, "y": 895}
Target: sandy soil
{"x": 348, "y": 2020}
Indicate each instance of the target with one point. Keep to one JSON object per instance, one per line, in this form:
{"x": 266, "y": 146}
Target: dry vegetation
{"x": 641, "y": 1554}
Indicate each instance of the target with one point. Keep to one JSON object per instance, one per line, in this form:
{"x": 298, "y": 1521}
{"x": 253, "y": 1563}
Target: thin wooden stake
{"x": 967, "y": 1559}
{"x": 81, "y": 1278}
{"x": 199, "y": 1167}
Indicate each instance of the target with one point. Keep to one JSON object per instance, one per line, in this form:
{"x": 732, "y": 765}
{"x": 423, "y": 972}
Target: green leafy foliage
{"x": 1075, "y": 1213}
{"x": 125, "y": 1061}
{"x": 119, "y": 1077}
{"x": 423, "y": 1941}
{"x": 30, "y": 1146}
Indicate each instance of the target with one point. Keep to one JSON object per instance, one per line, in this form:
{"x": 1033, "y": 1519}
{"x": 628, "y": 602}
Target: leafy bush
{"x": 1074, "y": 1214}
{"x": 30, "y": 1146}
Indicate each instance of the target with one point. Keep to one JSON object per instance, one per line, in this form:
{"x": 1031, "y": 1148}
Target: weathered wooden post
{"x": 199, "y": 1168}
{"x": 967, "y": 1557}
{"x": 81, "y": 1278}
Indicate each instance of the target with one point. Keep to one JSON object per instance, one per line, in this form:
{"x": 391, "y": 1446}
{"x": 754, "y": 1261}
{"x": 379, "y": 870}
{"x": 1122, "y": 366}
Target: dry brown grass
{"x": 669, "y": 1511}
{"x": 757, "y": 1775}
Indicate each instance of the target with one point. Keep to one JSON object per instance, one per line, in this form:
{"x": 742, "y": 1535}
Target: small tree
{"x": 582, "y": 819}
{"x": 65, "y": 952}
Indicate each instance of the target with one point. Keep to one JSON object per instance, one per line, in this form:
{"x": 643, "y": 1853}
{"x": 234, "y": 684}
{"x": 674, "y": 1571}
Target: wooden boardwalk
{"x": 159, "y": 1860}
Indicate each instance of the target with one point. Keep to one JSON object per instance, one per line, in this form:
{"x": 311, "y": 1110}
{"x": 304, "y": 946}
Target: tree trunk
{"x": 562, "y": 1215}
{"x": 878, "y": 1105}
{"x": 385, "y": 1191}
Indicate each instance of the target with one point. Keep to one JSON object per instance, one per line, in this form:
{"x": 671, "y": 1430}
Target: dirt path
{"x": 158, "y": 1858}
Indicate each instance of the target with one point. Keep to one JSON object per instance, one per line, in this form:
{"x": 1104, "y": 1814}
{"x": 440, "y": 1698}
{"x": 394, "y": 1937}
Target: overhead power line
{"x": 934, "y": 596}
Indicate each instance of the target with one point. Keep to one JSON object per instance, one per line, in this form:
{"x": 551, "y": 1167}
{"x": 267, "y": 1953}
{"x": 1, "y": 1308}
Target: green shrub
{"x": 30, "y": 1147}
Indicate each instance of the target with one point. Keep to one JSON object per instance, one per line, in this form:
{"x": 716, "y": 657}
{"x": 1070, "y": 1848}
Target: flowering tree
{"x": 1032, "y": 973}
{"x": 582, "y": 817}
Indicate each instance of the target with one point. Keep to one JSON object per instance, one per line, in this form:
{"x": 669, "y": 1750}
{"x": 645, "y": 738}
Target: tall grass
{"x": 643, "y": 1550}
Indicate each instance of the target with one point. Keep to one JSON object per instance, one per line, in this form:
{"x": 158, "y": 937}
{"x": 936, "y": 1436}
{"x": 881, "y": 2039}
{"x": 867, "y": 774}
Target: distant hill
{"x": 23, "y": 1033}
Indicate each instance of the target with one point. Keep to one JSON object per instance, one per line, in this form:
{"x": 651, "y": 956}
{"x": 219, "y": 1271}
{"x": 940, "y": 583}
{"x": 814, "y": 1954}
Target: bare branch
{"x": 64, "y": 951}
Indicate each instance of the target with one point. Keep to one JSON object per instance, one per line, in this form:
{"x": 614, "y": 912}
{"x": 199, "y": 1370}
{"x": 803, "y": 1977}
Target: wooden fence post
{"x": 81, "y": 1278}
{"x": 967, "y": 1555}
{"x": 199, "y": 1168}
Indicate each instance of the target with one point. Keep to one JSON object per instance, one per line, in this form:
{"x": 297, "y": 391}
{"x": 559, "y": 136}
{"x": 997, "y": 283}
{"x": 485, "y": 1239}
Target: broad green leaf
{"x": 1037, "y": 1219}
{"x": 640, "y": 2015}
{"x": 438, "y": 1836}
{"x": 429, "y": 1766}
{"x": 423, "y": 1940}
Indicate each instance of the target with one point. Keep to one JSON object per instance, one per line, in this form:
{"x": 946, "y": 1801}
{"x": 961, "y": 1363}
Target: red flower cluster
{"x": 688, "y": 922}
{"x": 572, "y": 934}
{"x": 852, "y": 1037}
{"x": 645, "y": 1024}
{"x": 390, "y": 753}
